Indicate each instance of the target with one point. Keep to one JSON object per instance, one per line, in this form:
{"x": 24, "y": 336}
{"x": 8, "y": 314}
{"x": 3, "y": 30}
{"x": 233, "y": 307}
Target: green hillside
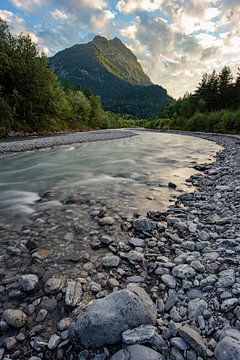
{"x": 113, "y": 73}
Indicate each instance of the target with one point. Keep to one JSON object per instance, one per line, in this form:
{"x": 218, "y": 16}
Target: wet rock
{"x": 183, "y": 271}
{"x": 15, "y": 318}
{"x": 110, "y": 261}
{"x": 104, "y": 320}
{"x": 194, "y": 340}
{"x": 28, "y": 282}
{"x": 73, "y": 293}
{"x": 137, "y": 352}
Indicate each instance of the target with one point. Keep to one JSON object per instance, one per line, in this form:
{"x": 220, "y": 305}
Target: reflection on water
{"x": 132, "y": 172}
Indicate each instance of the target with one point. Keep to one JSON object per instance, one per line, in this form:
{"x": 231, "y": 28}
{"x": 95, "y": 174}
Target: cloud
{"x": 28, "y": 5}
{"x": 102, "y": 21}
{"x": 134, "y": 6}
{"x": 59, "y": 14}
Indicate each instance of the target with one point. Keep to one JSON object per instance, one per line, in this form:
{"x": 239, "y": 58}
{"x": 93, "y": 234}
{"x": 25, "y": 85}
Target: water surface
{"x": 131, "y": 174}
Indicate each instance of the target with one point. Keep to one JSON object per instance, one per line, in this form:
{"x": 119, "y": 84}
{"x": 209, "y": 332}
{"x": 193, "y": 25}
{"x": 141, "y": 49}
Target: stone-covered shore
{"x": 166, "y": 286}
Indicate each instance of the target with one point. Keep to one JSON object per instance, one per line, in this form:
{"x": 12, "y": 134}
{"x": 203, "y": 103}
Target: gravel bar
{"x": 42, "y": 142}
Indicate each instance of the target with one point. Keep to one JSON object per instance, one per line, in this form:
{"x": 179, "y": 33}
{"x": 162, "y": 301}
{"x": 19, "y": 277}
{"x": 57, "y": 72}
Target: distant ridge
{"x": 114, "y": 73}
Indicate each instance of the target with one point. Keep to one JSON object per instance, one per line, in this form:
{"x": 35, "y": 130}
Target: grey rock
{"x": 10, "y": 343}
{"x": 183, "y": 271}
{"x": 54, "y": 341}
{"x": 53, "y": 285}
{"x": 194, "y": 340}
{"x": 15, "y": 318}
{"x": 106, "y": 221}
{"x": 137, "y": 352}
{"x": 28, "y": 282}
{"x": 73, "y": 294}
{"x": 41, "y": 315}
{"x": 179, "y": 343}
{"x": 196, "y": 265}
{"x": 171, "y": 300}
{"x": 196, "y": 307}
{"x": 106, "y": 240}
{"x": 145, "y": 334}
{"x": 136, "y": 242}
{"x": 228, "y": 348}
{"x": 229, "y": 304}
{"x": 134, "y": 256}
{"x": 169, "y": 280}
{"x": 64, "y": 324}
{"x": 38, "y": 344}
{"x": 104, "y": 320}
{"x": 143, "y": 225}
{"x": 110, "y": 261}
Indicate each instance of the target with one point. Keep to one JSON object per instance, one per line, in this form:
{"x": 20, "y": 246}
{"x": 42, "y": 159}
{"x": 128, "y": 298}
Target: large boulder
{"x": 137, "y": 352}
{"x": 104, "y": 320}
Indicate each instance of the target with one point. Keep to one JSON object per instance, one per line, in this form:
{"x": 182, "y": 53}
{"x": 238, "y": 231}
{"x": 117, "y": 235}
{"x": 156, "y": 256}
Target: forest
{"x": 213, "y": 107}
{"x": 32, "y": 98}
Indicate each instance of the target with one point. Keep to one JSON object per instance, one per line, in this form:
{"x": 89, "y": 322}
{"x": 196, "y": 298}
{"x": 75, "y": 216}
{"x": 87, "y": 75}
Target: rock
{"x": 38, "y": 344}
{"x": 179, "y": 343}
{"x": 53, "y": 285}
{"x": 228, "y": 348}
{"x": 169, "y": 280}
{"x": 106, "y": 221}
{"x": 183, "y": 271}
{"x": 145, "y": 334}
{"x": 196, "y": 308}
{"x": 64, "y": 324}
{"x": 171, "y": 300}
{"x": 194, "y": 340}
{"x": 106, "y": 240}
{"x": 41, "y": 315}
{"x": 73, "y": 293}
{"x": 136, "y": 242}
{"x": 10, "y": 343}
{"x": 134, "y": 256}
{"x": 54, "y": 341}
{"x": 28, "y": 282}
{"x": 229, "y": 304}
{"x": 104, "y": 320}
{"x": 196, "y": 265}
{"x": 171, "y": 185}
{"x": 96, "y": 244}
{"x": 143, "y": 225}
{"x": 110, "y": 261}
{"x": 15, "y": 318}
{"x": 137, "y": 352}
{"x": 112, "y": 283}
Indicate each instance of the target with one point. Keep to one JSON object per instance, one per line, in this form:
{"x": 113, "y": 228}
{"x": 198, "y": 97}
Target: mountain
{"x": 114, "y": 73}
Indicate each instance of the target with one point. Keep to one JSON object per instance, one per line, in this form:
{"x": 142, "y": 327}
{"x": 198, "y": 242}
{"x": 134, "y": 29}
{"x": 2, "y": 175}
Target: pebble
{"x": 15, "y": 318}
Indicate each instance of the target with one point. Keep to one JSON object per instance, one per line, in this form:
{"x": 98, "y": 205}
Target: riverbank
{"x": 42, "y": 142}
{"x": 187, "y": 259}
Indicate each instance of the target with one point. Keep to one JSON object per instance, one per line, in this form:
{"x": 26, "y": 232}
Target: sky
{"x": 176, "y": 41}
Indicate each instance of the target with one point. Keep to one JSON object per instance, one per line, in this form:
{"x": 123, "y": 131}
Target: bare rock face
{"x": 104, "y": 320}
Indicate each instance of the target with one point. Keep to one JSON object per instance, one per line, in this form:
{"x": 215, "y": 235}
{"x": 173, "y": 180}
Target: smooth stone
{"x": 15, "y": 318}
{"x": 194, "y": 340}
{"x": 41, "y": 315}
{"x": 106, "y": 240}
{"x": 143, "y": 225}
{"x": 169, "y": 280}
{"x": 106, "y": 221}
{"x": 196, "y": 307}
{"x": 53, "y": 285}
{"x": 54, "y": 341}
{"x": 10, "y": 343}
{"x": 104, "y": 320}
{"x": 183, "y": 271}
{"x": 110, "y": 261}
{"x": 28, "y": 282}
{"x": 229, "y": 304}
{"x": 136, "y": 242}
{"x": 73, "y": 294}
{"x": 134, "y": 256}
{"x": 137, "y": 352}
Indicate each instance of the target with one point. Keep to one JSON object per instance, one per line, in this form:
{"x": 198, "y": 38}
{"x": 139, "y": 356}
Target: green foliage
{"x": 32, "y": 98}
{"x": 213, "y": 107}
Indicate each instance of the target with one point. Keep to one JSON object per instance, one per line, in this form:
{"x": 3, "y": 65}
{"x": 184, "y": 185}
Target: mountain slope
{"x": 113, "y": 72}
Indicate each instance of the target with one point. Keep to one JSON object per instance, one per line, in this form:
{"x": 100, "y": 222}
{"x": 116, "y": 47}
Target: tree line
{"x": 214, "y": 106}
{"x": 32, "y": 98}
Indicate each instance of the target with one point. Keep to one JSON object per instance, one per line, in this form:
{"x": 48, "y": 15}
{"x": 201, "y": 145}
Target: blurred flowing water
{"x": 131, "y": 173}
